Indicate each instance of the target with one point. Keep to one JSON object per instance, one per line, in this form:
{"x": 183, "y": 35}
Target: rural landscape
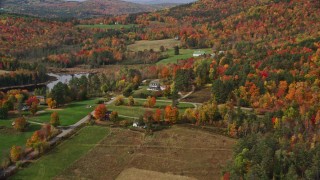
{"x": 143, "y": 89}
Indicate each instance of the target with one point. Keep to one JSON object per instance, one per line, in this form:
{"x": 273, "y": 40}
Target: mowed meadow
{"x": 168, "y": 45}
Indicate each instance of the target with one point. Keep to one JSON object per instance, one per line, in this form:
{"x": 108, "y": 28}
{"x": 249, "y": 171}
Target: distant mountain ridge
{"x": 161, "y": 1}
{"x": 73, "y": 8}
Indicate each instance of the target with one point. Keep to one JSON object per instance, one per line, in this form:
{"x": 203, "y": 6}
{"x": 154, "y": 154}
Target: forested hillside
{"x": 265, "y": 57}
{"x": 270, "y": 62}
{"x": 73, "y": 9}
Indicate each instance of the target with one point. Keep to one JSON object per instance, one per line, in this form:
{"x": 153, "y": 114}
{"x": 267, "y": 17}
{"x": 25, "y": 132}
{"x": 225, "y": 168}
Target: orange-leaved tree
{"x": 157, "y": 116}
{"x": 51, "y": 103}
{"x": 100, "y": 111}
{"x": 55, "y": 120}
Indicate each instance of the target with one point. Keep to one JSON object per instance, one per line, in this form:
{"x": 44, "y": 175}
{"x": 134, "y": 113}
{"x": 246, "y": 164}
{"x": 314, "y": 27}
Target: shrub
{"x": 34, "y": 108}
{"x": 51, "y": 103}
{"x": 176, "y": 50}
{"x": 5, "y": 162}
{"x": 100, "y": 101}
{"x": 55, "y": 120}
{"x": 119, "y": 101}
{"x": 15, "y": 153}
{"x": 3, "y": 112}
{"x": 127, "y": 91}
{"x": 131, "y": 101}
{"x": 20, "y": 124}
{"x": 114, "y": 116}
{"x": 37, "y": 142}
{"x": 124, "y": 123}
{"x": 151, "y": 101}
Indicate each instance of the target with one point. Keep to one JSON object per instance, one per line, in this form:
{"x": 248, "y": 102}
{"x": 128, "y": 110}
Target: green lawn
{"x": 69, "y": 114}
{"x": 10, "y": 137}
{"x": 184, "y": 54}
{"x": 6, "y": 122}
{"x": 138, "y": 109}
{"x": 107, "y": 26}
{"x": 62, "y": 156}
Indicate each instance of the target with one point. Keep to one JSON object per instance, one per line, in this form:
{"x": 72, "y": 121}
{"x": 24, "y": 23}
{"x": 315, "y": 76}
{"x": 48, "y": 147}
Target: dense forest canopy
{"x": 265, "y": 55}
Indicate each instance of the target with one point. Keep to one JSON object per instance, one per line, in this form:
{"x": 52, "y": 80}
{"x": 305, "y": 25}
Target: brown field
{"x": 138, "y": 174}
{"x": 199, "y": 96}
{"x": 176, "y": 151}
{"x": 155, "y": 45}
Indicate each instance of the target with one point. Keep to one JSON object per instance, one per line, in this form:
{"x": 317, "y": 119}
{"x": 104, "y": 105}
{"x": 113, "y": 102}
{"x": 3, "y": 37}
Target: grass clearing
{"x": 108, "y": 26}
{"x": 184, "y": 54}
{"x": 10, "y": 137}
{"x": 155, "y": 45}
{"x": 177, "y": 150}
{"x": 62, "y": 156}
{"x": 69, "y": 114}
{"x": 138, "y": 109}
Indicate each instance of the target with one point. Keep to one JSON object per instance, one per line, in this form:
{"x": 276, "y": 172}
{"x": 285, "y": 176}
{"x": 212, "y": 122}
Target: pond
{"x": 64, "y": 78}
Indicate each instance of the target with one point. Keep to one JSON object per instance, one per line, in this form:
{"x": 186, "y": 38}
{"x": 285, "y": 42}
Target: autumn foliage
{"x": 171, "y": 114}
{"x": 15, "y": 153}
{"x": 51, "y": 103}
{"x": 100, "y": 112}
{"x": 150, "y": 102}
{"x": 20, "y": 124}
{"x": 55, "y": 120}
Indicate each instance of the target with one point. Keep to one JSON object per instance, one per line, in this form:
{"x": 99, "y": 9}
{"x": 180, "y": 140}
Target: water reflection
{"x": 64, "y": 78}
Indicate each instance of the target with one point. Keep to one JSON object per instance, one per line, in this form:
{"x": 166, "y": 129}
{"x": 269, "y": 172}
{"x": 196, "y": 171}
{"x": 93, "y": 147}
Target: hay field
{"x": 175, "y": 151}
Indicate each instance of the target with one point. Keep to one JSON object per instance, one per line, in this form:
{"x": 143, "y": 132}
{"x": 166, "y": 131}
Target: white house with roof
{"x": 154, "y": 85}
{"x": 198, "y": 53}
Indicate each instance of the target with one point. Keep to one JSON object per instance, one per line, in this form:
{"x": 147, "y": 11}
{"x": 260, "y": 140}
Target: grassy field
{"x": 167, "y": 43}
{"x": 61, "y": 157}
{"x": 177, "y": 150}
{"x": 138, "y": 109}
{"x": 10, "y": 137}
{"x": 155, "y": 45}
{"x": 69, "y": 114}
{"x": 184, "y": 54}
{"x": 107, "y": 26}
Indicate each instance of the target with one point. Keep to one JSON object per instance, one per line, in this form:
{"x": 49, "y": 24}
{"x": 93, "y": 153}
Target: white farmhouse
{"x": 198, "y": 53}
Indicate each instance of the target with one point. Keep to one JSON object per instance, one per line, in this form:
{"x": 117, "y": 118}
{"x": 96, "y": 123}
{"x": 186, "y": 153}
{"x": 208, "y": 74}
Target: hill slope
{"x": 160, "y": 1}
{"x": 78, "y": 9}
